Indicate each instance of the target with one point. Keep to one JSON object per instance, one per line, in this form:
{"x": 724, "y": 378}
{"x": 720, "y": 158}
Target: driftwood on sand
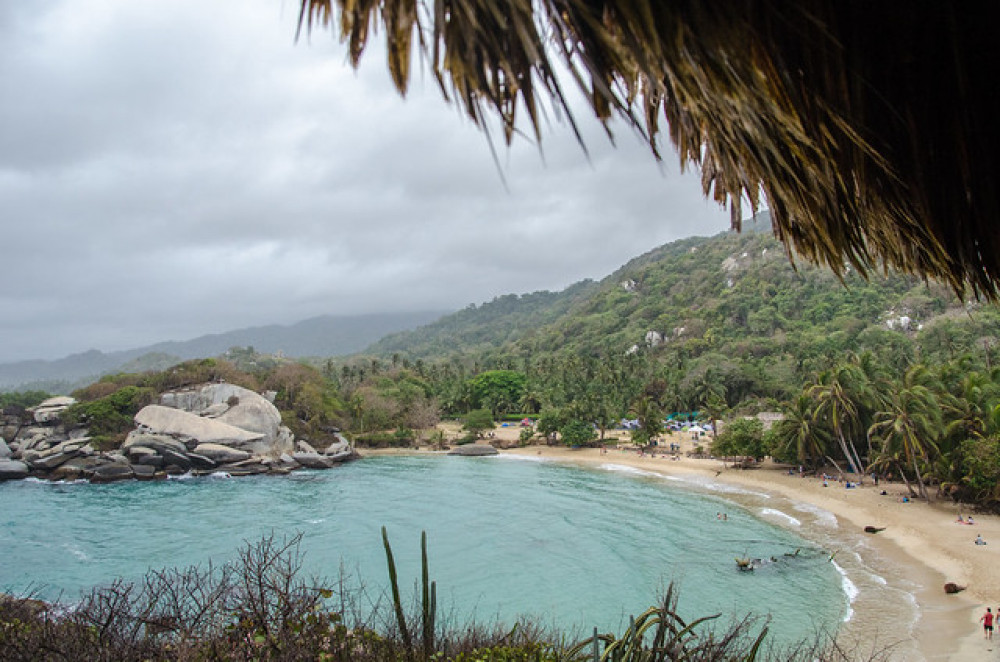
{"x": 874, "y": 529}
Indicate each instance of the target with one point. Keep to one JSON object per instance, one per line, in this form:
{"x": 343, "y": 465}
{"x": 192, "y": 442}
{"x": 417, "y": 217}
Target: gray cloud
{"x": 174, "y": 169}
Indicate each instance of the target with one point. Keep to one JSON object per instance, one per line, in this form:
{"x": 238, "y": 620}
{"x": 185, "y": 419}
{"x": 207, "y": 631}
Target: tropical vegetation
{"x": 890, "y": 375}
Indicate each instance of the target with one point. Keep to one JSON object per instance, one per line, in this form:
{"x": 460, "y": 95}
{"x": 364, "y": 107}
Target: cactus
{"x": 397, "y": 603}
{"x": 429, "y": 601}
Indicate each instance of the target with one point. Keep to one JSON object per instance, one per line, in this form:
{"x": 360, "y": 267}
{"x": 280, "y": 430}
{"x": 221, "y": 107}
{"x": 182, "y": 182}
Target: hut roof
{"x": 865, "y": 125}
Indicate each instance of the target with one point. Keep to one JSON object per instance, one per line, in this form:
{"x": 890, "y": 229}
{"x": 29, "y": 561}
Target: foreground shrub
{"x": 259, "y": 607}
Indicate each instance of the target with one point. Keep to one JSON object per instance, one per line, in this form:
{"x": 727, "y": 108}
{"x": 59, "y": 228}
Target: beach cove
{"x": 922, "y": 544}
{"x": 569, "y": 547}
{"x": 893, "y": 579}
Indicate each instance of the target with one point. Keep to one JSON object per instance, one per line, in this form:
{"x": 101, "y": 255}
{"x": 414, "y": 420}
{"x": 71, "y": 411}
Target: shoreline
{"x": 947, "y": 628}
{"x": 922, "y": 545}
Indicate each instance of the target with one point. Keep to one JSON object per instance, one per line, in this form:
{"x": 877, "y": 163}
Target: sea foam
{"x": 823, "y": 517}
{"x": 850, "y": 590}
{"x": 781, "y": 515}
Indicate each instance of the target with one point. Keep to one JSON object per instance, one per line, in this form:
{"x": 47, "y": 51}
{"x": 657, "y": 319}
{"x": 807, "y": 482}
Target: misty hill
{"x": 328, "y": 335}
{"x": 481, "y": 328}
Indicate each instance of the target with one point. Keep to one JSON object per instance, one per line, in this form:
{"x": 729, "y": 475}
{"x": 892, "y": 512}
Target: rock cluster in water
{"x": 202, "y": 430}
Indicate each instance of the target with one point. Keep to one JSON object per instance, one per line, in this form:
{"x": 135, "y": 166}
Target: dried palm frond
{"x": 864, "y": 124}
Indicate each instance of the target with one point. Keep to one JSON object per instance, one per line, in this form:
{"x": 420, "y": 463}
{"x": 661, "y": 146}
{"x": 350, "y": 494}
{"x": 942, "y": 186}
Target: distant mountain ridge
{"x": 327, "y": 335}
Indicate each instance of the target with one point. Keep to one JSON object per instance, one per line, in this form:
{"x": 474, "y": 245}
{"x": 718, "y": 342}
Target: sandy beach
{"x": 921, "y": 547}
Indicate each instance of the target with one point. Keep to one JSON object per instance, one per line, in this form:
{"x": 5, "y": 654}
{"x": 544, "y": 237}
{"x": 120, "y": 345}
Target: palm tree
{"x": 650, "y": 418}
{"x": 836, "y": 395}
{"x": 799, "y": 430}
{"x": 912, "y": 423}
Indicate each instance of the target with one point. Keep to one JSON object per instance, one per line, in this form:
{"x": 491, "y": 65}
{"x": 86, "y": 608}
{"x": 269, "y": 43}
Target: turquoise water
{"x": 574, "y": 547}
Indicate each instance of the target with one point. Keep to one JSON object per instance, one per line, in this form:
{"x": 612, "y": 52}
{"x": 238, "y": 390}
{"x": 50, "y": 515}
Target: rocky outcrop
{"x": 13, "y": 470}
{"x": 213, "y": 428}
{"x": 48, "y": 411}
{"x": 180, "y": 424}
{"x": 240, "y": 408}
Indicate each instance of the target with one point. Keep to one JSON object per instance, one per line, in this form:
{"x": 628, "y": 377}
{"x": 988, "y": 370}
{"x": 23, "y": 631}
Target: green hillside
{"x": 483, "y": 328}
{"x": 730, "y": 301}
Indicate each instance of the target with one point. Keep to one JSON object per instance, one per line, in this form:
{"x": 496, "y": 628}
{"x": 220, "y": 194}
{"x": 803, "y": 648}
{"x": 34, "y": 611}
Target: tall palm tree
{"x": 912, "y": 424}
{"x": 837, "y": 394}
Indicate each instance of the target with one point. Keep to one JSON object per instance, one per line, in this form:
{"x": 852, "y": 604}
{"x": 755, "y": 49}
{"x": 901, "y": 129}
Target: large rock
{"x": 313, "y": 460}
{"x": 50, "y": 410}
{"x": 303, "y": 446}
{"x": 109, "y": 473}
{"x": 78, "y": 467}
{"x": 221, "y": 454}
{"x": 155, "y": 442}
{"x": 144, "y": 471}
{"x": 157, "y": 419}
{"x": 339, "y": 447}
{"x": 50, "y": 461}
{"x": 4, "y": 450}
{"x": 140, "y": 454}
{"x": 473, "y": 450}
{"x": 238, "y": 407}
{"x": 13, "y": 470}
{"x": 38, "y": 438}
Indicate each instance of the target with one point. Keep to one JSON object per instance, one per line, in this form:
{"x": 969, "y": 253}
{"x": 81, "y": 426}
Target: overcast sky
{"x": 170, "y": 169}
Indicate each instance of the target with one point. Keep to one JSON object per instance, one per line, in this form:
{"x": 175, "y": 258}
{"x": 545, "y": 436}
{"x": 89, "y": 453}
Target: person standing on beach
{"x": 987, "y": 621}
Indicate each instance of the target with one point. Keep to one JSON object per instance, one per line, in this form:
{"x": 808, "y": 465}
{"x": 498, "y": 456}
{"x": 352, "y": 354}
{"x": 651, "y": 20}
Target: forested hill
{"x": 719, "y": 300}
{"x": 483, "y": 328}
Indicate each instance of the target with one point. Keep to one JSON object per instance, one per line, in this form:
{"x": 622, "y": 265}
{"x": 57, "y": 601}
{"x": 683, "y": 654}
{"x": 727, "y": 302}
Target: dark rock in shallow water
{"x": 144, "y": 471}
{"x": 112, "y": 472}
{"x": 244, "y": 468}
{"x": 952, "y": 587}
{"x": 13, "y": 470}
{"x": 176, "y": 459}
{"x": 201, "y": 462}
{"x": 473, "y": 450}
{"x": 312, "y": 460}
{"x": 154, "y": 460}
{"x": 79, "y": 467}
{"x": 68, "y": 472}
{"x": 874, "y": 529}
{"x": 139, "y": 454}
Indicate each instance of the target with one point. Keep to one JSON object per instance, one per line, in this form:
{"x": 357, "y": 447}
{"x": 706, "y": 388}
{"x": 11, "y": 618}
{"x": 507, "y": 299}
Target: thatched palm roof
{"x": 864, "y": 123}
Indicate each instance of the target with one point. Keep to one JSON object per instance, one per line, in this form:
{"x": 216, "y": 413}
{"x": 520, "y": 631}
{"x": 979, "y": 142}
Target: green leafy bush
{"x": 22, "y": 399}
{"x": 113, "y": 415}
